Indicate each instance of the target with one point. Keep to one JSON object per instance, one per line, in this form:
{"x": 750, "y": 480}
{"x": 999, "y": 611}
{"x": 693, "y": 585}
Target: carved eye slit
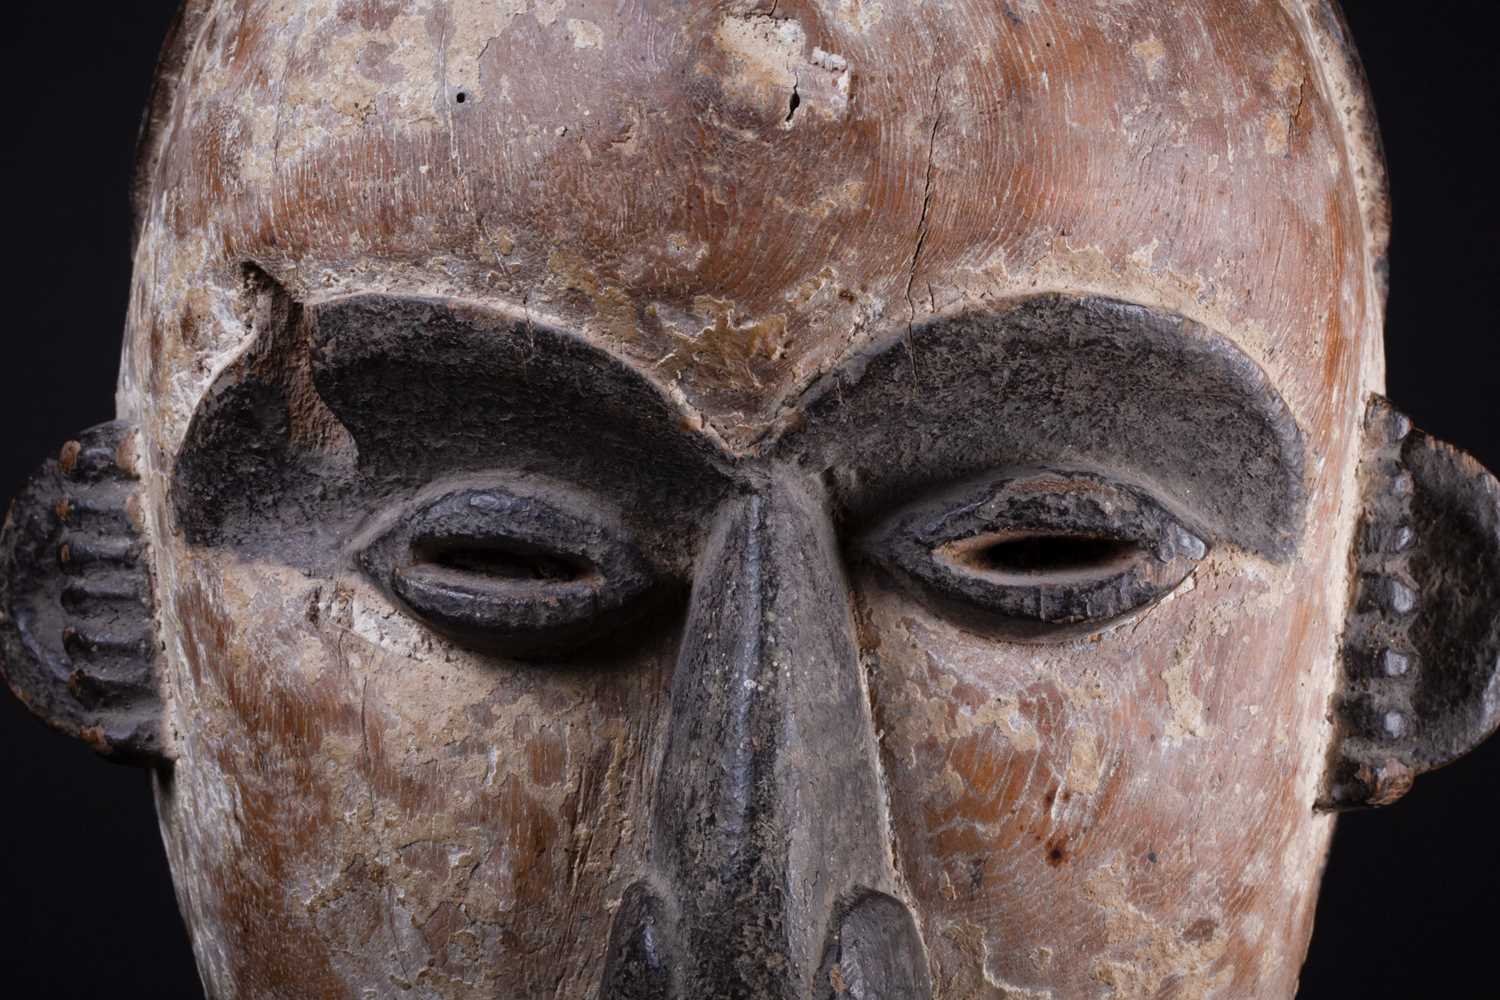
{"x": 521, "y": 573}
{"x": 1015, "y": 554}
{"x": 1039, "y": 556}
{"x": 504, "y": 560}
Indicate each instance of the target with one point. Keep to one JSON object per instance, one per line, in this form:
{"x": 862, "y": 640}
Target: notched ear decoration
{"x": 77, "y": 627}
{"x": 1421, "y": 683}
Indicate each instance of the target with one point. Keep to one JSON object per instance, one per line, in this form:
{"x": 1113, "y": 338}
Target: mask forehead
{"x": 732, "y": 199}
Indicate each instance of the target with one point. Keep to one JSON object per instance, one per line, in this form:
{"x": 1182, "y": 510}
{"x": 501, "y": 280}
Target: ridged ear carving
{"x": 1421, "y": 684}
{"x": 77, "y": 626}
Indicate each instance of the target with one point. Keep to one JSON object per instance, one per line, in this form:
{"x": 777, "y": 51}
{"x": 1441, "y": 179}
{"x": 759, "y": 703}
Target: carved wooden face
{"x": 674, "y": 500}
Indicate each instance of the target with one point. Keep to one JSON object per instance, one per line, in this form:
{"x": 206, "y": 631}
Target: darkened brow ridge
{"x": 428, "y": 388}
{"x": 1062, "y": 382}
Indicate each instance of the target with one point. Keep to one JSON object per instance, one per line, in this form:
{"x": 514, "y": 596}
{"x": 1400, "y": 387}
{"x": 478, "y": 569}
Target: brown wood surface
{"x": 359, "y": 807}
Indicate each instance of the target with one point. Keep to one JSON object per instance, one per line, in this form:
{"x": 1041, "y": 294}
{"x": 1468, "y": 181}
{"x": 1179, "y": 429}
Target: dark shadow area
{"x": 88, "y": 902}
{"x": 1408, "y": 901}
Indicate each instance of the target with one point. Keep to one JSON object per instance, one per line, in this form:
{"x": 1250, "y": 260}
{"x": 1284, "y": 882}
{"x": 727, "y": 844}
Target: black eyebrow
{"x": 429, "y": 385}
{"x": 1058, "y": 381}
{"x": 412, "y": 389}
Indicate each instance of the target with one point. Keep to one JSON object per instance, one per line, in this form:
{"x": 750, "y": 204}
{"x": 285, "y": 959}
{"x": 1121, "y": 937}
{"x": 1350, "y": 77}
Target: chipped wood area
{"x": 733, "y": 197}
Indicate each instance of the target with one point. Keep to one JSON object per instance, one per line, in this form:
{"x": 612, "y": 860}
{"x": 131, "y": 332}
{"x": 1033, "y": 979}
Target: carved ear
{"x": 1421, "y": 683}
{"x": 77, "y": 626}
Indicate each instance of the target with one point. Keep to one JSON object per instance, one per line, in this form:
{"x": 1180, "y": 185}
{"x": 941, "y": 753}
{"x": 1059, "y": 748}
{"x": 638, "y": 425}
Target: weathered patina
{"x": 797, "y": 499}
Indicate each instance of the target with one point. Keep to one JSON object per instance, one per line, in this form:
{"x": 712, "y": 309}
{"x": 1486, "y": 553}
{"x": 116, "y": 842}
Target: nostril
{"x": 636, "y": 965}
{"x": 875, "y": 952}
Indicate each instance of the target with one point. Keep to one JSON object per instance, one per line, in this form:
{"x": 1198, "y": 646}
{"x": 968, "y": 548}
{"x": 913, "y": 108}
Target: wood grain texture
{"x": 733, "y": 198}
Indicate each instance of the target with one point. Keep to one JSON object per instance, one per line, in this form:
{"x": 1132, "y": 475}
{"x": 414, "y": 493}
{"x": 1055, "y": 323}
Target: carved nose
{"x": 771, "y": 861}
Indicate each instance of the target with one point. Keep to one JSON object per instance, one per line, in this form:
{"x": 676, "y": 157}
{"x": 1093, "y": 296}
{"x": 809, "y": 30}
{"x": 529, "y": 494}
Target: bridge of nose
{"x": 770, "y": 845}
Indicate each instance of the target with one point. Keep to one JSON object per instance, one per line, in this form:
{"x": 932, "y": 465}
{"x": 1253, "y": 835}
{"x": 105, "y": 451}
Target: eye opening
{"x": 518, "y": 568}
{"x": 1042, "y": 553}
{"x": 501, "y": 559}
{"x": 1036, "y": 556}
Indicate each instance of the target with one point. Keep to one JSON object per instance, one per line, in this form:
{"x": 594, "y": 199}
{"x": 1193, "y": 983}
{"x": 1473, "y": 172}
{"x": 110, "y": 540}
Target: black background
{"x": 1409, "y": 903}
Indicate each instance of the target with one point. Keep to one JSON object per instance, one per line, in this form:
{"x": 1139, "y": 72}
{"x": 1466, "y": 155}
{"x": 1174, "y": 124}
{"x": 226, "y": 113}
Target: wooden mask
{"x": 799, "y": 499}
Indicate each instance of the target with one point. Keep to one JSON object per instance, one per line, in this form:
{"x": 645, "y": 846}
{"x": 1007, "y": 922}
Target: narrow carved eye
{"x": 520, "y": 572}
{"x": 1037, "y": 556}
{"x": 1041, "y": 554}
{"x": 497, "y": 559}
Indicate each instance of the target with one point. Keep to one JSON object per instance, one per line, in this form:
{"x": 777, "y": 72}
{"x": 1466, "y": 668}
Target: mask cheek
{"x": 1422, "y": 638}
